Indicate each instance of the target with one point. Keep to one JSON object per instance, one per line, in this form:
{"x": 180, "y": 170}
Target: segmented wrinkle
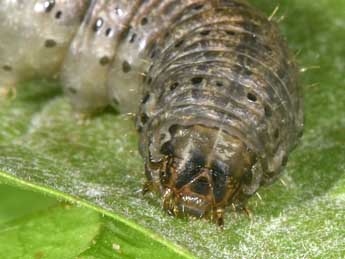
{"x": 212, "y": 83}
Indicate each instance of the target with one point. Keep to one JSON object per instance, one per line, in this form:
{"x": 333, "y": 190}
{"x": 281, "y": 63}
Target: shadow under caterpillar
{"x": 212, "y": 82}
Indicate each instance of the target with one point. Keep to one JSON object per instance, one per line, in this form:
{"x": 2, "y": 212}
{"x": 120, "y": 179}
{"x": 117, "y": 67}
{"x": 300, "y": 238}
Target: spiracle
{"x": 212, "y": 82}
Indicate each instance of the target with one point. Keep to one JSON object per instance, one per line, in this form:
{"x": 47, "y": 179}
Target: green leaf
{"x": 96, "y": 165}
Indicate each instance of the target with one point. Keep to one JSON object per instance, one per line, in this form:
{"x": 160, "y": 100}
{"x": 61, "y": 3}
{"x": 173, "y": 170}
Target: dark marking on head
{"x": 165, "y": 176}
{"x": 173, "y": 129}
{"x": 201, "y": 186}
{"x": 191, "y": 169}
{"x": 219, "y": 184}
{"x": 167, "y": 149}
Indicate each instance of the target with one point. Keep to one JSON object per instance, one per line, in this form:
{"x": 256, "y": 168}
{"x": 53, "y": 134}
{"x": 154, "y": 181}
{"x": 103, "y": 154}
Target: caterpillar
{"x": 212, "y": 82}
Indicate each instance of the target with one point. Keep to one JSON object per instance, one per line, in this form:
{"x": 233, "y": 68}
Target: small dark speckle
{"x": 198, "y": 6}
{"x": 126, "y": 67}
{"x": 133, "y": 37}
{"x": 7, "y": 68}
{"x": 174, "y": 86}
{"x": 251, "y": 97}
{"x": 230, "y": 33}
{"x": 104, "y": 61}
{"x": 50, "y": 43}
{"x": 109, "y": 32}
{"x": 219, "y": 84}
{"x": 144, "y": 21}
{"x": 179, "y": 44}
{"x": 58, "y": 15}
{"x": 204, "y": 33}
{"x": 196, "y": 80}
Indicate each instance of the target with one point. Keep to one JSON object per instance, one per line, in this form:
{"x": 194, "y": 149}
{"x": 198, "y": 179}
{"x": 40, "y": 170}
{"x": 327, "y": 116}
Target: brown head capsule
{"x": 222, "y": 109}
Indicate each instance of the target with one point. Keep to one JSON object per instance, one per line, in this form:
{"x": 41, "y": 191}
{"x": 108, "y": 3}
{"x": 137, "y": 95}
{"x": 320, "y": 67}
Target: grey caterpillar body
{"x": 212, "y": 81}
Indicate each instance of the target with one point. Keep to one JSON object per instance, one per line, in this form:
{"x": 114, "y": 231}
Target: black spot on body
{"x": 167, "y": 149}
{"x": 144, "y": 21}
{"x": 204, "y": 33}
{"x": 251, "y": 97}
{"x": 50, "y": 43}
{"x": 197, "y": 6}
{"x": 219, "y": 84}
{"x": 191, "y": 169}
{"x": 126, "y": 67}
{"x": 109, "y": 32}
{"x": 196, "y": 80}
{"x": 58, "y": 15}
{"x": 104, "y": 61}
{"x": 133, "y": 37}
{"x": 7, "y": 68}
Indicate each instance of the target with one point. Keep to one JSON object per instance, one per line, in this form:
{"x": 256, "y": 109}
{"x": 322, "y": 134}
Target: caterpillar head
{"x": 203, "y": 170}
